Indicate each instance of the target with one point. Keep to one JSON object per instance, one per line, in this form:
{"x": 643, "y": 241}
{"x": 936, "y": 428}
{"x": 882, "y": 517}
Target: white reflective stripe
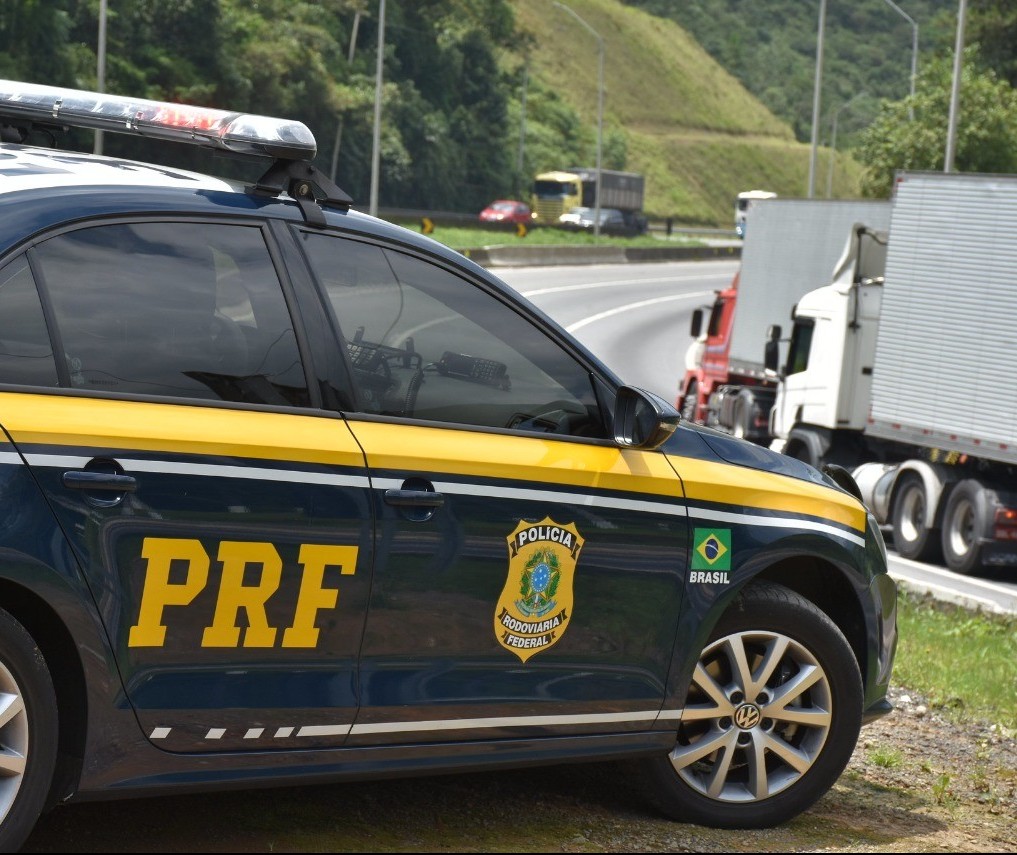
{"x": 670, "y": 715}
{"x": 775, "y": 522}
{"x": 439, "y": 725}
{"x": 501, "y": 721}
{"x": 324, "y": 730}
{"x": 57, "y": 460}
{"x": 527, "y": 495}
{"x": 209, "y": 470}
{"x": 675, "y": 508}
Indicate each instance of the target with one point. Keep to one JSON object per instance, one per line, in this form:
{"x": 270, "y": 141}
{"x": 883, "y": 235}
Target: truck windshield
{"x": 548, "y": 189}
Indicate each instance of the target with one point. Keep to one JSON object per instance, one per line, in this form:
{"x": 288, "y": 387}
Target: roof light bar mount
{"x": 308, "y": 186}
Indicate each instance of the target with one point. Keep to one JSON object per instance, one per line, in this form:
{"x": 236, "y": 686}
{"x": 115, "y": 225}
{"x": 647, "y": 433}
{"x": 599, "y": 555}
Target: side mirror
{"x": 642, "y": 420}
{"x": 771, "y": 351}
{"x": 697, "y": 323}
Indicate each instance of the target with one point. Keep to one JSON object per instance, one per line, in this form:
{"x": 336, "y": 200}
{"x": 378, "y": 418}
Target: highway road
{"x": 635, "y": 317}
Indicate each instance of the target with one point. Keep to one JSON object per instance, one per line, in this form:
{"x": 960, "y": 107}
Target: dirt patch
{"x": 917, "y": 782}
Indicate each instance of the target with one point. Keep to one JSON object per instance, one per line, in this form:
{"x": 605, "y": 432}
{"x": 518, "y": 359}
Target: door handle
{"x": 414, "y": 498}
{"x": 83, "y": 479}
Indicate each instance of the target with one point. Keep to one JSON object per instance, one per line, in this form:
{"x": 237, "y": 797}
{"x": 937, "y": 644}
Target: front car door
{"x": 529, "y": 572}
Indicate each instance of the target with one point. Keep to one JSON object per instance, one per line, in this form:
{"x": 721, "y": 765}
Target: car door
{"x": 528, "y": 572}
{"x": 219, "y": 513}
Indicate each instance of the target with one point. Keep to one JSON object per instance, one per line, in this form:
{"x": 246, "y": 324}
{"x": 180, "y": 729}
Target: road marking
{"x": 638, "y": 305}
{"x": 614, "y": 283}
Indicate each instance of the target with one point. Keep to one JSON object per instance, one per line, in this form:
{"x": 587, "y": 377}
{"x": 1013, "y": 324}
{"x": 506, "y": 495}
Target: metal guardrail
{"x": 458, "y": 218}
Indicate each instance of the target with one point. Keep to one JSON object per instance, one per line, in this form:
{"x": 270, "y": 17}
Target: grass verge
{"x": 965, "y": 662}
{"x": 466, "y": 237}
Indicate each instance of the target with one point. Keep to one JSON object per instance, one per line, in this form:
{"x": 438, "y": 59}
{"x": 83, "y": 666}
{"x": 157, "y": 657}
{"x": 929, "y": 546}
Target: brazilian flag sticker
{"x": 711, "y": 549}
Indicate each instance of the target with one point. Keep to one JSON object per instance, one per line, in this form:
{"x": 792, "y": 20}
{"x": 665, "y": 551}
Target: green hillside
{"x": 696, "y": 133}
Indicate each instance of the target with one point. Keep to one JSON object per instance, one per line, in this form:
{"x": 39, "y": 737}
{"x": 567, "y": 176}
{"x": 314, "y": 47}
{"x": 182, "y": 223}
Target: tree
{"x": 993, "y": 26}
{"x": 986, "y": 118}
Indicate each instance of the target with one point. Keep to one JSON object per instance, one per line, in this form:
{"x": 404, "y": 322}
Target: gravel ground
{"x": 917, "y": 782}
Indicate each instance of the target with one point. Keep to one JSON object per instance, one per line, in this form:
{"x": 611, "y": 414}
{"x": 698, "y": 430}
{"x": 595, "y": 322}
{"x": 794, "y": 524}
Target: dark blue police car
{"x": 292, "y": 494}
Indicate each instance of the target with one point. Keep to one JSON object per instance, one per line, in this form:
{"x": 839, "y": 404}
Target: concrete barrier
{"x": 543, "y": 256}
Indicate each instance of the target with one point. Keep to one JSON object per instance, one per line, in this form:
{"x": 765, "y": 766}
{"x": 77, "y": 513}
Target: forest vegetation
{"x": 704, "y": 97}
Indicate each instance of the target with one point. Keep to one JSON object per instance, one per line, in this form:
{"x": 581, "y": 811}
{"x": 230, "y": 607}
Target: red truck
{"x": 793, "y": 247}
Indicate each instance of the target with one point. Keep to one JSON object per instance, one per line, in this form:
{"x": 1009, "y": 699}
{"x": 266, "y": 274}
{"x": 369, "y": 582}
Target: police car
{"x": 292, "y": 494}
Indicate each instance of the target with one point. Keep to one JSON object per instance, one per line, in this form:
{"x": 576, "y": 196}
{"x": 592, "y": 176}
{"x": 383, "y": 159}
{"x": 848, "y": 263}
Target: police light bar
{"x": 243, "y": 133}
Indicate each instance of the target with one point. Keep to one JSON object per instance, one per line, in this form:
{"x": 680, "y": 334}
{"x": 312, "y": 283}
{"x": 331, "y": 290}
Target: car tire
{"x": 28, "y": 733}
{"x": 778, "y": 683}
{"x": 964, "y": 520}
{"x": 912, "y": 538}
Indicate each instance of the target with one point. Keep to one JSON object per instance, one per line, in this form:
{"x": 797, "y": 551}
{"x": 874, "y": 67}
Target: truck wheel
{"x": 689, "y": 403}
{"x": 28, "y": 733}
{"x": 770, "y": 720}
{"x": 963, "y": 523}
{"x": 911, "y": 537}
{"x": 740, "y": 415}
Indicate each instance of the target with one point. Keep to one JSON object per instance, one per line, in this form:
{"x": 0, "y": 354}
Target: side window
{"x": 426, "y": 344}
{"x": 190, "y": 310}
{"x": 26, "y": 357}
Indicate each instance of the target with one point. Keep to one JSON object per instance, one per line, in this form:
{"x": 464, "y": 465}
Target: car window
{"x": 26, "y": 356}
{"x": 425, "y": 343}
{"x": 178, "y": 309}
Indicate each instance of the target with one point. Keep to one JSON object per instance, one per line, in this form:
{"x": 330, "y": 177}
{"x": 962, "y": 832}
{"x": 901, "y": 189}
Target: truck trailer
{"x": 793, "y": 246}
{"x": 556, "y": 193}
{"x": 908, "y": 378}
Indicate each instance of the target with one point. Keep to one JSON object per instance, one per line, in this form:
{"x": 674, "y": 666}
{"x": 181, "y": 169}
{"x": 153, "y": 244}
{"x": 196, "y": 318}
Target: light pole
{"x": 958, "y": 65}
{"x": 815, "y": 98}
{"x": 914, "y": 52}
{"x": 600, "y": 107}
{"x": 100, "y": 66}
{"x": 349, "y": 62}
{"x": 833, "y": 141}
{"x": 376, "y": 145}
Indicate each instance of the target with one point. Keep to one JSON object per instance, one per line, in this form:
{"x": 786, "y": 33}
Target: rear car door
{"x": 220, "y": 514}
{"x": 529, "y": 572}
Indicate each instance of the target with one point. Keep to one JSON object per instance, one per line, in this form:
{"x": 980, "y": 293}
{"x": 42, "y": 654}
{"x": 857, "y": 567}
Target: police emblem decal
{"x": 535, "y": 605}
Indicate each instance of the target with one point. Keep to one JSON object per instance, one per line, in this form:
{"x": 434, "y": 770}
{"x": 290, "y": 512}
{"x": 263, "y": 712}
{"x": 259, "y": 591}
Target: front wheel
{"x": 28, "y": 733}
{"x": 770, "y": 720}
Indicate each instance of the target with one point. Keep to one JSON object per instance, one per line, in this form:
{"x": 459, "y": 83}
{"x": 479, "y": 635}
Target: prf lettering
{"x": 160, "y": 593}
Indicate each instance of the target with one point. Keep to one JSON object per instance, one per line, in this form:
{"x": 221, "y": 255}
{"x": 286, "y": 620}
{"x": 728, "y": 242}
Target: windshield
{"x": 547, "y": 189}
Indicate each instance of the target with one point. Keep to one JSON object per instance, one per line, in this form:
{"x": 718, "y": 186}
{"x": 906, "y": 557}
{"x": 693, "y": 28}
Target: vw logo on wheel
{"x": 747, "y": 716}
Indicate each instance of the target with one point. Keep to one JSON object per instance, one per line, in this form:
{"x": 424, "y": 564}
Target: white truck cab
{"x": 827, "y": 376}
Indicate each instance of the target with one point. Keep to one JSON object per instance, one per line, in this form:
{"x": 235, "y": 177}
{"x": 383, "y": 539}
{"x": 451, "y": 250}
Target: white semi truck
{"x": 910, "y": 378}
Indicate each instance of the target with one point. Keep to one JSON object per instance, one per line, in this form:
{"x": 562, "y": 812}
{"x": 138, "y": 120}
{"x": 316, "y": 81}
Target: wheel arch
{"x": 821, "y": 583}
{"x": 60, "y": 651}
{"x": 807, "y": 444}
{"x": 814, "y": 578}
